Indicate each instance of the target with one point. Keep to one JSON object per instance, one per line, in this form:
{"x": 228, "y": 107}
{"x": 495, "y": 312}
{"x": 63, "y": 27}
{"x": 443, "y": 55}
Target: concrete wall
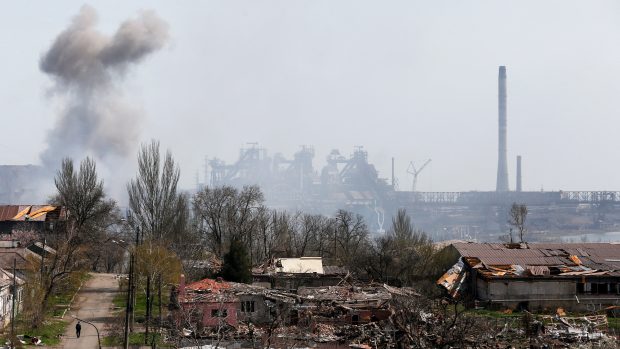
{"x": 206, "y": 309}
{"x": 534, "y": 289}
{"x": 260, "y": 315}
{"x": 539, "y": 295}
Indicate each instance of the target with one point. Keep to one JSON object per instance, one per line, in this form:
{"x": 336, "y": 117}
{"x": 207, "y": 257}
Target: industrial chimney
{"x": 519, "y": 188}
{"x": 502, "y": 164}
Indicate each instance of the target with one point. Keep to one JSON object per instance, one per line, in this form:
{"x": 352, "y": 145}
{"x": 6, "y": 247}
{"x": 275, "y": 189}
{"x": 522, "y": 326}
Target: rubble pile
{"x": 377, "y": 316}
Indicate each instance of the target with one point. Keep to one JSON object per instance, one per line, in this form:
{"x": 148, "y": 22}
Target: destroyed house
{"x": 346, "y": 304}
{"x": 215, "y": 302}
{"x": 291, "y": 273}
{"x": 37, "y": 218}
{"x": 536, "y": 276}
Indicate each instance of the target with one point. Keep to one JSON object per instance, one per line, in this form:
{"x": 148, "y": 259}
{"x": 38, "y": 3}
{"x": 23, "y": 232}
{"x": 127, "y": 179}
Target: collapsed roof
{"x": 37, "y": 213}
{"x": 539, "y": 260}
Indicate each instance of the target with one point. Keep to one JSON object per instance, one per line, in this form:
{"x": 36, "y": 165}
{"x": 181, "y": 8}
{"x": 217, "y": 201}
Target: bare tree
{"x": 154, "y": 206}
{"x": 403, "y": 256}
{"x": 81, "y": 194}
{"x": 350, "y": 236}
{"x": 88, "y": 214}
{"x": 225, "y": 214}
{"x": 428, "y": 323}
{"x": 516, "y": 218}
{"x": 153, "y": 197}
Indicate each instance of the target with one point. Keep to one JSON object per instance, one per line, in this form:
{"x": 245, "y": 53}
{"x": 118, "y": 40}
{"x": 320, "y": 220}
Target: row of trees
{"x": 169, "y": 226}
{"x": 225, "y": 214}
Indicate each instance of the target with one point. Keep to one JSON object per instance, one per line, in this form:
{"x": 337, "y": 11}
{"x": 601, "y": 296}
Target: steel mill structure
{"x": 351, "y": 182}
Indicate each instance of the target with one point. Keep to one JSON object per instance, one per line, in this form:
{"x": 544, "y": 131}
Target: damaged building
{"x": 291, "y": 273}
{"x": 329, "y": 314}
{"x": 30, "y": 218}
{"x": 577, "y": 277}
{"x": 215, "y": 302}
{"x": 348, "y": 304}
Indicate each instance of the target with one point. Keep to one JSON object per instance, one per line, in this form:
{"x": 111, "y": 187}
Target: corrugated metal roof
{"x": 36, "y": 213}
{"x": 524, "y": 261}
{"x": 600, "y": 256}
{"x": 7, "y": 212}
{"x": 608, "y": 250}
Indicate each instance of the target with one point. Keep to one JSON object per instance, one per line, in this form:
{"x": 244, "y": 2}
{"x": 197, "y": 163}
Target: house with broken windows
{"x": 535, "y": 276}
{"x": 215, "y": 302}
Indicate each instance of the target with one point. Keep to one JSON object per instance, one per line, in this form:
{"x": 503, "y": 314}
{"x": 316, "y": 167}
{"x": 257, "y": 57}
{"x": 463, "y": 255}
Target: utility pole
{"x": 43, "y": 257}
{"x": 128, "y": 307}
{"x": 148, "y": 308}
{"x": 13, "y": 303}
{"x": 133, "y": 284}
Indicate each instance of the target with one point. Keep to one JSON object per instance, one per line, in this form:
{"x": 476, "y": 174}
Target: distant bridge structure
{"x": 499, "y": 198}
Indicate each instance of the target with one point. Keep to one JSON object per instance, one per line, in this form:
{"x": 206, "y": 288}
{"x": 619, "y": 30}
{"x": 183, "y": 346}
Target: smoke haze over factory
{"x": 411, "y": 81}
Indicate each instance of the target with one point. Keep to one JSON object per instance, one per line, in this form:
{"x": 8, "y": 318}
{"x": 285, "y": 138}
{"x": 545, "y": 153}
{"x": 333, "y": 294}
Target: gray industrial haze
{"x": 350, "y": 181}
{"x": 408, "y": 80}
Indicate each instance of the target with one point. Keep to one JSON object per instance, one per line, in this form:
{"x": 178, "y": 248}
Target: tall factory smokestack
{"x": 393, "y": 184}
{"x": 519, "y": 188}
{"x": 502, "y": 164}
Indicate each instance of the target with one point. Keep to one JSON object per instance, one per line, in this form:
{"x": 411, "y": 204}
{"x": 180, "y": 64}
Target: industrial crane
{"x": 415, "y": 172}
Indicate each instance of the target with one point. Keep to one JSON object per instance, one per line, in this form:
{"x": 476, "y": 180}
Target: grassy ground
{"x": 120, "y": 302}
{"x": 61, "y": 299}
{"x": 614, "y": 323}
{"x": 49, "y": 332}
{"x": 134, "y": 339}
{"x": 52, "y": 327}
{"x": 495, "y": 314}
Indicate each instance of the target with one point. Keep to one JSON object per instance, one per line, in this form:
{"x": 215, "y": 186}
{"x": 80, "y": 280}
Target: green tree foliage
{"x": 236, "y": 266}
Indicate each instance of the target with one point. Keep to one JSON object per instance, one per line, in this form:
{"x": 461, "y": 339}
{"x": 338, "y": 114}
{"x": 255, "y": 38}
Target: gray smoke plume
{"x": 87, "y": 67}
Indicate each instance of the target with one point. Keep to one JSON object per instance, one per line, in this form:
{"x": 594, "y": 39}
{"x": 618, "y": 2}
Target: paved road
{"x": 93, "y": 303}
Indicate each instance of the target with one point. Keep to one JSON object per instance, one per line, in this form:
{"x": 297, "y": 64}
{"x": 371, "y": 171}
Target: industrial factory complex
{"x": 349, "y": 181}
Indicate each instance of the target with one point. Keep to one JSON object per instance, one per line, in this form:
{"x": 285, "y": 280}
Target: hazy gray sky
{"x": 409, "y": 79}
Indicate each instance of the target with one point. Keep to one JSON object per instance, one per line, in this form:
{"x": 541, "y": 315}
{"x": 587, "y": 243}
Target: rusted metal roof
{"x": 538, "y": 270}
{"x": 7, "y": 212}
{"x": 538, "y": 250}
{"x": 36, "y": 213}
{"x": 566, "y": 259}
{"x": 524, "y": 260}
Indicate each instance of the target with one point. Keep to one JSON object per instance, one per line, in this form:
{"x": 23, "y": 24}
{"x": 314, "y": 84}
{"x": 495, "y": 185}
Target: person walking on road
{"x": 78, "y": 329}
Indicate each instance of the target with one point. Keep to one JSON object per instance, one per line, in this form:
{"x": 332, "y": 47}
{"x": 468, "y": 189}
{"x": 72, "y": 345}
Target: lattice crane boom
{"x": 415, "y": 172}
